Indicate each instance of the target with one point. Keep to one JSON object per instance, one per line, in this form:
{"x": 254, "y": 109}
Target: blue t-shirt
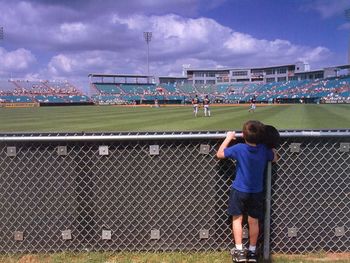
{"x": 251, "y": 163}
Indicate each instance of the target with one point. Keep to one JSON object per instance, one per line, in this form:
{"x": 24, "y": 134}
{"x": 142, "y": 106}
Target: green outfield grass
{"x": 170, "y": 257}
{"x": 169, "y": 118}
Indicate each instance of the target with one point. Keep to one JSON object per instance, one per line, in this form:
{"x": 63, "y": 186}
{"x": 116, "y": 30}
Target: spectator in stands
{"x": 206, "y": 103}
{"x": 246, "y": 194}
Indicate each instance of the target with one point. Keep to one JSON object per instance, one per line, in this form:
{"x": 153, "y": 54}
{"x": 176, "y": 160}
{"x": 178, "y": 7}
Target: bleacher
{"x": 59, "y": 85}
{"x": 171, "y": 88}
{"x": 130, "y": 98}
{"x": 186, "y": 89}
{"x": 250, "y": 88}
{"x": 43, "y": 92}
{"x": 15, "y": 99}
{"x": 175, "y": 97}
{"x": 49, "y": 99}
{"x": 233, "y": 98}
{"x": 222, "y": 88}
{"x": 150, "y": 97}
{"x": 205, "y": 89}
{"x": 107, "y": 88}
{"x": 30, "y": 85}
{"x": 51, "y": 92}
{"x": 76, "y": 98}
{"x": 138, "y": 88}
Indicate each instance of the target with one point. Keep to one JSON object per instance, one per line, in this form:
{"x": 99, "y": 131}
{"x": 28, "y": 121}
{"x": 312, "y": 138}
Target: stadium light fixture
{"x": 148, "y": 37}
{"x": 347, "y": 17}
{"x": 347, "y": 14}
{"x": 1, "y": 33}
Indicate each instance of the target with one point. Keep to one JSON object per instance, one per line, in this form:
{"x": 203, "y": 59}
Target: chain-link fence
{"x": 164, "y": 192}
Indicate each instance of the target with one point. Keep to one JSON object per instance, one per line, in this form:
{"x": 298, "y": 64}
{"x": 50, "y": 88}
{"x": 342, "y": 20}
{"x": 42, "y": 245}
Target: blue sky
{"x": 67, "y": 40}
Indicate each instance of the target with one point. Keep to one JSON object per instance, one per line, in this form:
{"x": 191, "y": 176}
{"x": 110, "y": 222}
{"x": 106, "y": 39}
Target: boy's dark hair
{"x": 252, "y": 131}
{"x": 271, "y": 136}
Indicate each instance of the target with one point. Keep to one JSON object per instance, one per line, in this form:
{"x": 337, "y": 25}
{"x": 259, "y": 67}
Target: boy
{"x": 246, "y": 194}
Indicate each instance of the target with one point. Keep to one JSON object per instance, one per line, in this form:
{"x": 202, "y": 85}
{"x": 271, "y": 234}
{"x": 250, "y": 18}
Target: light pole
{"x": 148, "y": 37}
{"x": 347, "y": 17}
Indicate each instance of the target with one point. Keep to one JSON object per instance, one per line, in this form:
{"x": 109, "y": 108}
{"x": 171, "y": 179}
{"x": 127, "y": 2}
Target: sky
{"x": 68, "y": 39}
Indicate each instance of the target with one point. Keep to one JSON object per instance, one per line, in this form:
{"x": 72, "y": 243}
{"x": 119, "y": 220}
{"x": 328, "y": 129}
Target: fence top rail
{"x": 59, "y": 137}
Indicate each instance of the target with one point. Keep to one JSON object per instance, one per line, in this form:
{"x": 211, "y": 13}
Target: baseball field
{"x": 170, "y": 118}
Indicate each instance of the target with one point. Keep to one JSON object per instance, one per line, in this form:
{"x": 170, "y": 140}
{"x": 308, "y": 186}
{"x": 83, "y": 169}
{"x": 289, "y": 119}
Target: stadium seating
{"x": 14, "y": 98}
{"x": 222, "y": 88}
{"x": 205, "y": 89}
{"x": 76, "y": 98}
{"x": 108, "y": 88}
{"x": 175, "y": 97}
{"x": 186, "y": 89}
{"x": 316, "y": 90}
{"x": 237, "y": 92}
{"x": 49, "y": 99}
{"x": 150, "y": 97}
{"x": 138, "y": 88}
{"x": 232, "y": 98}
{"x": 40, "y": 91}
{"x": 131, "y": 97}
{"x": 171, "y": 88}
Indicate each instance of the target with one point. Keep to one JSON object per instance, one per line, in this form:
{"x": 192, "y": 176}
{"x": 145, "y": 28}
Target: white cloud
{"x": 345, "y": 26}
{"x": 329, "y": 8}
{"x": 70, "y": 32}
{"x": 176, "y": 41}
{"x": 16, "y": 60}
{"x": 175, "y": 37}
{"x": 316, "y": 54}
{"x": 67, "y": 45}
{"x": 32, "y": 76}
{"x": 240, "y": 43}
{"x": 61, "y": 64}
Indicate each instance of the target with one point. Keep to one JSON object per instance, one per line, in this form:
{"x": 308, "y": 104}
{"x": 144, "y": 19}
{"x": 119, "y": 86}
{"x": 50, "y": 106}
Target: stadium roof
{"x": 206, "y": 69}
{"x": 118, "y": 75}
{"x": 347, "y": 66}
{"x": 323, "y": 69}
{"x": 246, "y": 68}
{"x": 172, "y": 77}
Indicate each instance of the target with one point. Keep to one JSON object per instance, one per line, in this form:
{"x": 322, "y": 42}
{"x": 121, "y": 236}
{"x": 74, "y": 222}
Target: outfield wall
{"x": 165, "y": 192}
{"x": 19, "y": 104}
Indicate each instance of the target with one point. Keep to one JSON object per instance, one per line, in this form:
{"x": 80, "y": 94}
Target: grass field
{"x": 169, "y": 118}
{"x": 212, "y": 257}
{"x": 111, "y": 118}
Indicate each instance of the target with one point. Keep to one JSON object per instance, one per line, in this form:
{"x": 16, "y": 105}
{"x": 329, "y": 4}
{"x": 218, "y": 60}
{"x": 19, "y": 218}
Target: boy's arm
{"x": 229, "y": 137}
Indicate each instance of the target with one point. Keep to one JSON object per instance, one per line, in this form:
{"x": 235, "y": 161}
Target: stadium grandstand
{"x": 292, "y": 83}
{"x": 41, "y": 92}
{"x": 136, "y": 89}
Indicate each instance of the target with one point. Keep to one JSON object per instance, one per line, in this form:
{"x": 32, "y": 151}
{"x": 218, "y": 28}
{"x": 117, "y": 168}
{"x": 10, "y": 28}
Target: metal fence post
{"x": 267, "y": 215}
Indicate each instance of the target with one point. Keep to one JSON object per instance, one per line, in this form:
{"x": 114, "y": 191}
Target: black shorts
{"x": 246, "y": 203}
